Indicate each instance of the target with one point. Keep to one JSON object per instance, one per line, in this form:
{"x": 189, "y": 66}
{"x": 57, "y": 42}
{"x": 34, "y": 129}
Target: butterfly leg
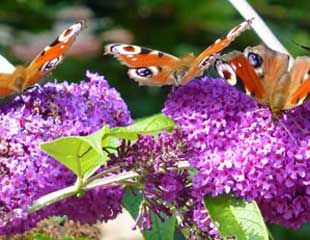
{"x": 288, "y": 131}
{"x": 292, "y": 117}
{"x": 257, "y": 110}
{"x": 21, "y": 99}
{"x": 37, "y": 87}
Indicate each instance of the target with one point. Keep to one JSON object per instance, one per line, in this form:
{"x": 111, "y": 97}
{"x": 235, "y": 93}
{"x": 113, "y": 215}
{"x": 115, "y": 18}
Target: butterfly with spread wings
{"x": 265, "y": 75}
{"x": 17, "y": 80}
{"x": 156, "y": 68}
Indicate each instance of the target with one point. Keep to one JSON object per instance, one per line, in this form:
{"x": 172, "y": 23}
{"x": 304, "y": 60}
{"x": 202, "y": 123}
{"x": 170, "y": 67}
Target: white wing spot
{"x": 132, "y": 50}
{"x": 6, "y": 66}
{"x": 247, "y": 92}
{"x": 223, "y": 68}
{"x": 71, "y": 31}
{"x": 238, "y": 29}
{"x": 307, "y": 75}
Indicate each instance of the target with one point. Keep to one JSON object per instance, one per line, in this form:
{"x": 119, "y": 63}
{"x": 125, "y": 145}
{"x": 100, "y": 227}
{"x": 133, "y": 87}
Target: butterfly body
{"x": 156, "y": 68}
{"x": 180, "y": 68}
{"x": 17, "y": 80}
{"x": 265, "y": 75}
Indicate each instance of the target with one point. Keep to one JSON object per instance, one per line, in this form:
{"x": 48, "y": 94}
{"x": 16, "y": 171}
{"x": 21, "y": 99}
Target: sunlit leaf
{"x": 150, "y": 125}
{"x": 237, "y": 218}
{"x": 79, "y": 154}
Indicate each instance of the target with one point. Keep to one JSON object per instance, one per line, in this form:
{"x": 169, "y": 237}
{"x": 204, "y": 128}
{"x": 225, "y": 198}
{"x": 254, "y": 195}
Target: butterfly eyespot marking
{"x": 226, "y": 71}
{"x": 257, "y": 63}
{"x": 67, "y": 34}
{"x": 113, "y": 48}
{"x": 128, "y": 49}
{"x": 50, "y": 64}
{"x": 233, "y": 33}
{"x": 255, "y": 60}
{"x": 143, "y": 72}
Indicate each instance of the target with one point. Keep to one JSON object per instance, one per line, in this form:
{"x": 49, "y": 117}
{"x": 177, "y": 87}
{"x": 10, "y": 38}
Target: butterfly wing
{"x": 261, "y": 72}
{"x": 272, "y": 67}
{"x": 146, "y": 66}
{"x": 6, "y": 66}
{"x": 5, "y": 89}
{"x": 238, "y": 71}
{"x": 299, "y": 87}
{"x": 6, "y": 69}
{"x": 203, "y": 61}
{"x": 52, "y": 55}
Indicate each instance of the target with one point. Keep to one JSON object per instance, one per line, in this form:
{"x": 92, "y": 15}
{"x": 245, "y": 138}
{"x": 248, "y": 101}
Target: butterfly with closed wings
{"x": 17, "y": 80}
{"x": 156, "y": 68}
{"x": 265, "y": 75}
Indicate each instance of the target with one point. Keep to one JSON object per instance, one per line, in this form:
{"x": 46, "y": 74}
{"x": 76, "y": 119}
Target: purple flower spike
{"x": 239, "y": 149}
{"x": 26, "y": 173}
{"x": 163, "y": 185}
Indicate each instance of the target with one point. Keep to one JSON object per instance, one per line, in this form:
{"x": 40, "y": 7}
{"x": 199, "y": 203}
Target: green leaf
{"x": 150, "y": 125}
{"x": 81, "y": 155}
{"x": 236, "y": 217}
{"x": 160, "y": 230}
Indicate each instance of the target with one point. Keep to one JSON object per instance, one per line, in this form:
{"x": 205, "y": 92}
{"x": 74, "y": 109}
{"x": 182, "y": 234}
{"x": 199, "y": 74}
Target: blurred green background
{"x": 174, "y": 26}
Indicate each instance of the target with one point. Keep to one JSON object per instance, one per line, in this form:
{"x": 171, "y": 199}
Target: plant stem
{"x": 111, "y": 180}
{"x": 103, "y": 173}
{"x": 51, "y": 198}
{"x": 120, "y": 179}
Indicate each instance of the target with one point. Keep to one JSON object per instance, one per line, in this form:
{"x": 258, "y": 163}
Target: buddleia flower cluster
{"x": 26, "y": 173}
{"x": 240, "y": 150}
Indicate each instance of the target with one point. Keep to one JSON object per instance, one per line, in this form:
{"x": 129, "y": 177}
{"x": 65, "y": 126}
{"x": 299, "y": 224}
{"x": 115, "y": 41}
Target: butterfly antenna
{"x": 38, "y": 87}
{"x": 292, "y": 117}
{"x": 20, "y": 96}
{"x": 257, "y": 110}
{"x": 84, "y": 23}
